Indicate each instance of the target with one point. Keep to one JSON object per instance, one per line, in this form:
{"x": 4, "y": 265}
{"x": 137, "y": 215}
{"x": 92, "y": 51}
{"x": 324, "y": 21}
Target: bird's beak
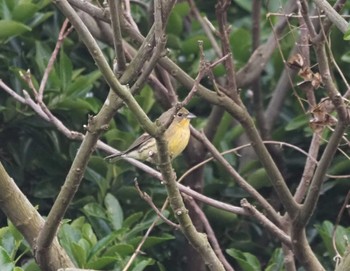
{"x": 191, "y": 116}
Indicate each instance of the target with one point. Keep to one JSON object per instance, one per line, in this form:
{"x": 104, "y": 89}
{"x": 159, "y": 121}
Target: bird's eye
{"x": 179, "y": 114}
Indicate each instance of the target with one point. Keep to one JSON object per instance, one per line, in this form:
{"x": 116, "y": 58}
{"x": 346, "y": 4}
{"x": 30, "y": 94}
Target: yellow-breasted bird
{"x": 177, "y": 135}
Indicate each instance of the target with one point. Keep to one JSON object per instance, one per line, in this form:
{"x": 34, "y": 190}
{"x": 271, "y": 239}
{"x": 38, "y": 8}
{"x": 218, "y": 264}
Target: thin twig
{"x": 206, "y": 27}
{"x": 64, "y": 32}
{"x": 11, "y": 92}
{"x": 262, "y": 219}
{"x": 144, "y": 238}
{"x": 344, "y": 206}
{"x": 224, "y": 29}
{"x": 148, "y": 199}
{"x": 203, "y": 69}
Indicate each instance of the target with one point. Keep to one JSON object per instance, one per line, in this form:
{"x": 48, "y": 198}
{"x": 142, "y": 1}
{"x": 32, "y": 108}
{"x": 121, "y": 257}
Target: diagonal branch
{"x": 27, "y": 219}
{"x": 332, "y": 15}
{"x": 238, "y": 178}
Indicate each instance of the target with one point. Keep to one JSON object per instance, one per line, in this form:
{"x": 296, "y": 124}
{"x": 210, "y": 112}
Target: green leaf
{"x": 244, "y": 4}
{"x": 16, "y": 234}
{"x": 299, "y": 122}
{"x": 240, "y": 40}
{"x": 66, "y": 68}
{"x": 5, "y": 9}
{"x": 68, "y": 235}
{"x": 339, "y": 167}
{"x": 24, "y": 10}
{"x": 7, "y": 241}
{"x": 101, "y": 263}
{"x": 95, "y": 210}
{"x": 276, "y": 262}
{"x": 30, "y": 265}
{"x": 40, "y": 18}
{"x": 121, "y": 249}
{"x": 79, "y": 254}
{"x": 42, "y": 56}
{"x": 88, "y": 234}
{"x": 175, "y": 24}
{"x": 9, "y": 28}
{"x": 259, "y": 179}
{"x": 95, "y": 177}
{"x": 143, "y": 264}
{"x": 146, "y": 99}
{"x": 347, "y": 33}
{"x": 132, "y": 219}
{"x": 161, "y": 266}
{"x": 75, "y": 104}
{"x": 6, "y": 264}
{"x": 114, "y": 211}
{"x": 342, "y": 235}
{"x": 182, "y": 8}
{"x": 346, "y": 57}
{"x": 78, "y": 222}
{"x": 103, "y": 243}
{"x": 247, "y": 261}
{"x": 220, "y": 216}
{"x": 86, "y": 247}
{"x": 82, "y": 84}
{"x": 190, "y": 45}
{"x": 151, "y": 240}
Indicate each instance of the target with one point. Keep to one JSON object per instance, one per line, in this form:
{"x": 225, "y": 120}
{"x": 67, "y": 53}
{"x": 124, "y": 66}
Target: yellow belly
{"x": 177, "y": 140}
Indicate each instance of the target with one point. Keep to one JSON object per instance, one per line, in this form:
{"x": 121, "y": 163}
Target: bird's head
{"x": 183, "y": 117}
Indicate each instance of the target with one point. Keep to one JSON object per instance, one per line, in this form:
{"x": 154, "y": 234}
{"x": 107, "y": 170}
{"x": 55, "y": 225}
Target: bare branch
{"x": 209, "y": 230}
{"x": 62, "y": 35}
{"x": 148, "y": 199}
{"x": 238, "y": 178}
{"x": 27, "y": 220}
{"x": 116, "y": 15}
{"x": 277, "y": 232}
{"x": 333, "y": 16}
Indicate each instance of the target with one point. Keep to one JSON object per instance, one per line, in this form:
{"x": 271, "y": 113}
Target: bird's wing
{"x": 138, "y": 142}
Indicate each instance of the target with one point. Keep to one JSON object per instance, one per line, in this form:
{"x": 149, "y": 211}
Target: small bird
{"x": 177, "y": 134}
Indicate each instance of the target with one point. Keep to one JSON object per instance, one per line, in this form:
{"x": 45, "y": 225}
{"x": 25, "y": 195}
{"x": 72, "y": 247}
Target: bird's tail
{"x": 114, "y": 157}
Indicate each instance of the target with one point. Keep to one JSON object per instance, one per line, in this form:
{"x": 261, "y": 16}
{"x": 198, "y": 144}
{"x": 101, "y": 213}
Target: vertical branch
{"x": 158, "y": 20}
{"x": 198, "y": 240}
{"x": 209, "y": 230}
{"x": 310, "y": 164}
{"x": 320, "y": 173}
{"x": 331, "y": 148}
{"x": 301, "y": 246}
{"x": 224, "y": 29}
{"x": 309, "y": 168}
{"x": 116, "y": 15}
{"x": 256, "y": 86}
